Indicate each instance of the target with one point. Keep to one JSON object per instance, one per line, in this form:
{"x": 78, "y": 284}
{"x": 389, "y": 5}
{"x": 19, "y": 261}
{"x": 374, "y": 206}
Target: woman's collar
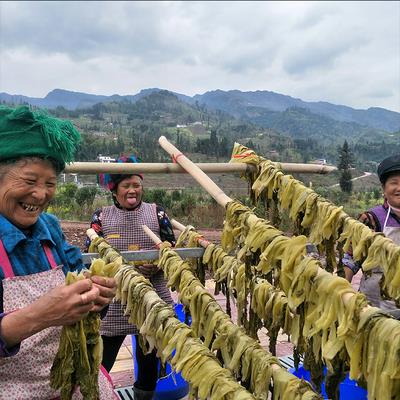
{"x": 395, "y": 212}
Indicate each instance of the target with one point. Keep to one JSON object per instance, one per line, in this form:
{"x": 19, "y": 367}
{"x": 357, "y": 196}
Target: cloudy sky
{"x": 341, "y": 52}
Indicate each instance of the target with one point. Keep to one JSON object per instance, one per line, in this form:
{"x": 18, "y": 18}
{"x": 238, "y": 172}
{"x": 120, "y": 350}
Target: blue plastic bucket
{"x": 172, "y": 386}
{"x": 348, "y": 389}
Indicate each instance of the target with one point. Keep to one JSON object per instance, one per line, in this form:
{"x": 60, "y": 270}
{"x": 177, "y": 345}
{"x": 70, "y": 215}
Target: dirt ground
{"x": 75, "y": 233}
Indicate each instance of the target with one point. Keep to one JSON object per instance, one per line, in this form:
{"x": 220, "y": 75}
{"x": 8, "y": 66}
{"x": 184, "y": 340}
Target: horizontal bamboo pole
{"x": 172, "y": 168}
{"x": 307, "y": 168}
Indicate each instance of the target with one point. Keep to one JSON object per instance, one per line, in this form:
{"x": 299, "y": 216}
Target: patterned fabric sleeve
{"x": 367, "y": 219}
{"x": 166, "y": 231}
{"x": 95, "y": 224}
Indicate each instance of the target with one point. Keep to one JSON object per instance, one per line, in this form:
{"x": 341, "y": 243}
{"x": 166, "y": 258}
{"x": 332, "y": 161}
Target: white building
{"x": 105, "y": 159}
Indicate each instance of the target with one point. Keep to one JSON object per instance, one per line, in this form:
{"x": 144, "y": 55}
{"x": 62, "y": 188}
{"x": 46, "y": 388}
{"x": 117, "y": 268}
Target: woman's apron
{"x": 370, "y": 285}
{"x": 26, "y": 375}
{"x": 122, "y": 229}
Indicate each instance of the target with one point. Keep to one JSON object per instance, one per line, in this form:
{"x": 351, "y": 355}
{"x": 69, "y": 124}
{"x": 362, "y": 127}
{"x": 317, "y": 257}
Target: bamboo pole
{"x": 177, "y": 225}
{"x": 91, "y": 234}
{"x": 97, "y": 167}
{"x": 157, "y": 241}
{"x": 172, "y": 168}
{"x": 306, "y": 168}
{"x": 219, "y": 196}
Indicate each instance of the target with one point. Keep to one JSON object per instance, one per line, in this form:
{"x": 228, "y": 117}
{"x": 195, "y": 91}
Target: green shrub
{"x": 85, "y": 196}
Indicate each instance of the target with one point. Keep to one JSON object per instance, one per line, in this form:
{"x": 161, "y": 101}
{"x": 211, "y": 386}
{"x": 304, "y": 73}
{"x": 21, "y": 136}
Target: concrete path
{"x": 354, "y": 179}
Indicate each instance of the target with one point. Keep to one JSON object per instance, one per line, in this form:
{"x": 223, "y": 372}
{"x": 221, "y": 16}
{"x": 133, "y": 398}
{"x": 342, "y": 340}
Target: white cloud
{"x": 342, "y": 52}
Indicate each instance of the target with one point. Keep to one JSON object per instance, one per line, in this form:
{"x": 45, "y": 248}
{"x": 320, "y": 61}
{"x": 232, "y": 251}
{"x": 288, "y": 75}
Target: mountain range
{"x": 263, "y": 108}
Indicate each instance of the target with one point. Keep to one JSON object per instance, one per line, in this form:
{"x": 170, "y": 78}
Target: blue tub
{"x": 348, "y": 389}
{"x": 172, "y": 386}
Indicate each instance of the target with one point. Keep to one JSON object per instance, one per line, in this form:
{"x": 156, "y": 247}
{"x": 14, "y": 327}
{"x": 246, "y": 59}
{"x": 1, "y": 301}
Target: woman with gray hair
{"x": 121, "y": 225}
{"x": 381, "y": 218}
{"x": 34, "y": 257}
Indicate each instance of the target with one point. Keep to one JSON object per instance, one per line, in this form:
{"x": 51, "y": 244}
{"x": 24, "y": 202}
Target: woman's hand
{"x": 148, "y": 270}
{"x": 107, "y": 289}
{"x": 63, "y": 305}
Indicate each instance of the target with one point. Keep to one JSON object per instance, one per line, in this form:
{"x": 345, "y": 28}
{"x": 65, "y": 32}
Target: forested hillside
{"x": 116, "y": 127}
{"x": 205, "y": 135}
{"x": 241, "y": 104}
{"x": 127, "y": 124}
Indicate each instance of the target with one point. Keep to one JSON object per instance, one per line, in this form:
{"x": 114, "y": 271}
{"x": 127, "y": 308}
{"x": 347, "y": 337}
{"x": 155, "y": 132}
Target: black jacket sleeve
{"x": 166, "y": 231}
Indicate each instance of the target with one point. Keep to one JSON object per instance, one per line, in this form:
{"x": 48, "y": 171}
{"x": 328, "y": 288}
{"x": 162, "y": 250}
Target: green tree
{"x": 345, "y": 163}
{"x": 213, "y": 143}
{"x": 85, "y": 196}
{"x": 65, "y": 194}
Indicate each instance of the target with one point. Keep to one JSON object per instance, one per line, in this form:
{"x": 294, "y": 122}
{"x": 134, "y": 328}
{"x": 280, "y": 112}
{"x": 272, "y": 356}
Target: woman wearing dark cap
{"x": 34, "y": 257}
{"x": 121, "y": 225}
{"x": 381, "y": 218}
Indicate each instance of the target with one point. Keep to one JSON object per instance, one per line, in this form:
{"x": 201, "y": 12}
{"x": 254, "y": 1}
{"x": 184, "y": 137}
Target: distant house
{"x": 99, "y": 133}
{"x": 321, "y": 161}
{"x": 105, "y": 159}
{"x": 66, "y": 178}
{"x": 181, "y": 126}
{"x": 273, "y": 154}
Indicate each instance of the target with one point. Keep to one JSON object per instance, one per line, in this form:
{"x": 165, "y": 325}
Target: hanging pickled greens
{"x": 241, "y": 354}
{"x": 163, "y": 331}
{"x": 271, "y": 305}
{"x": 79, "y": 354}
{"x": 326, "y": 222}
{"x": 324, "y": 328}
{"x": 329, "y": 323}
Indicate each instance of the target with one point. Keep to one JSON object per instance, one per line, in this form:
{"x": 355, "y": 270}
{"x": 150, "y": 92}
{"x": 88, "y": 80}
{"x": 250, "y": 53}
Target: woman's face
{"x": 26, "y": 188}
{"x": 391, "y": 190}
{"x": 129, "y": 192}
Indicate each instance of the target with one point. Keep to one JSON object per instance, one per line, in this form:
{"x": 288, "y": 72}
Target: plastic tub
{"x": 348, "y": 389}
{"x": 172, "y": 386}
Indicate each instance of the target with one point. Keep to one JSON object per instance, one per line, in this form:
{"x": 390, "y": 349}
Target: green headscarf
{"x": 27, "y": 133}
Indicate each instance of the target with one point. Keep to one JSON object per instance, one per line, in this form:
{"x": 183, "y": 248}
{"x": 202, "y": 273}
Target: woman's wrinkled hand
{"x": 65, "y": 305}
{"x": 107, "y": 289}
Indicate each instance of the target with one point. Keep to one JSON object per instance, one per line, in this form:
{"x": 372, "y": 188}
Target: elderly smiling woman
{"x": 121, "y": 225}
{"x": 383, "y": 218}
{"x": 34, "y": 256}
